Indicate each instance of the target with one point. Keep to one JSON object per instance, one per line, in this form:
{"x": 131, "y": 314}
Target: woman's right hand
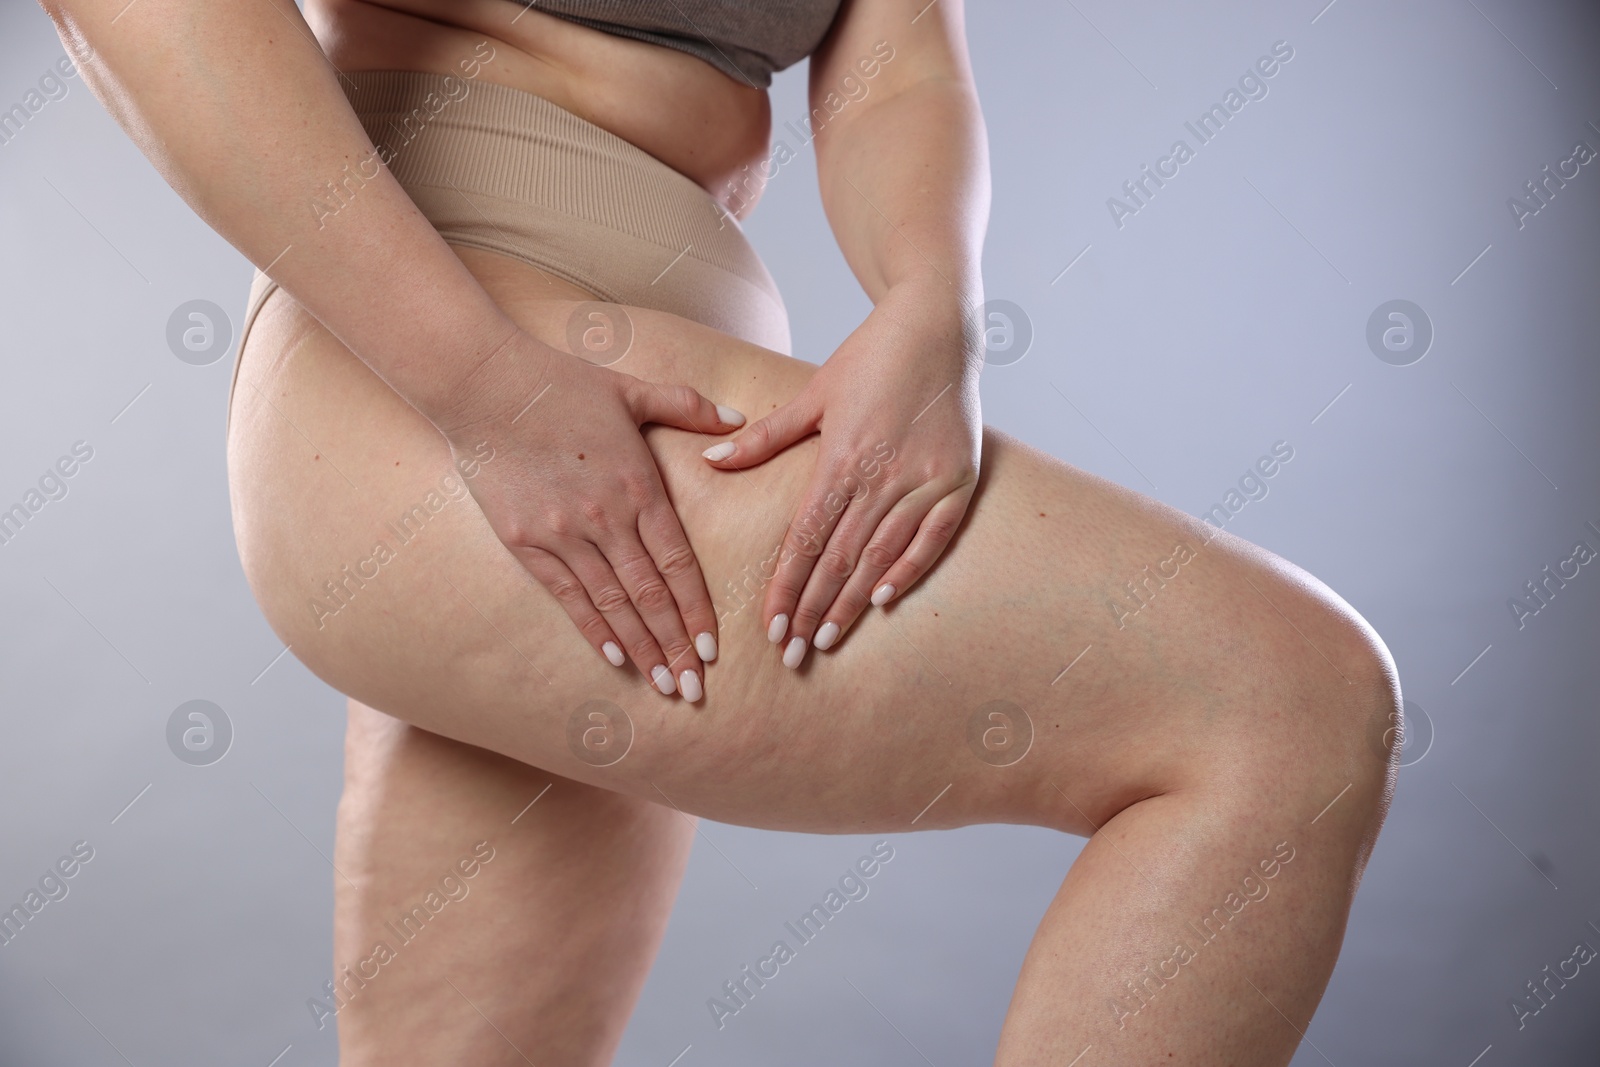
{"x": 573, "y": 491}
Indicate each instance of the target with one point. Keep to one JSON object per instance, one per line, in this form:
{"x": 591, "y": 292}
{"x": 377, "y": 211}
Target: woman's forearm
{"x": 905, "y": 182}
{"x": 237, "y": 107}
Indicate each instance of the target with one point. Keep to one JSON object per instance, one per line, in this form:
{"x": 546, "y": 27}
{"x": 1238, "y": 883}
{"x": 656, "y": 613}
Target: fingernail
{"x": 689, "y": 685}
{"x": 613, "y": 653}
{"x": 881, "y": 595}
{"x": 729, "y": 415}
{"x": 705, "y": 645}
{"x": 777, "y": 628}
{"x": 827, "y": 636}
{"x": 663, "y": 679}
{"x": 722, "y": 451}
{"x": 795, "y": 652}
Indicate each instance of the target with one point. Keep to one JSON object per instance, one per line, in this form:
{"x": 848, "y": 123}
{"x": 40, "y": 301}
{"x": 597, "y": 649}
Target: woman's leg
{"x": 488, "y": 912}
{"x": 1201, "y": 705}
{"x": 1200, "y": 926}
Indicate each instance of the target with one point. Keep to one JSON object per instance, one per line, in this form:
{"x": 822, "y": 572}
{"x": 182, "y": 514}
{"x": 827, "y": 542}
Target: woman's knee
{"x": 1313, "y": 698}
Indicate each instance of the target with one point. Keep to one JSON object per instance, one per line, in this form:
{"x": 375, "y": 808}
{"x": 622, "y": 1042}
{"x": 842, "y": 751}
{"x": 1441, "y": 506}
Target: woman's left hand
{"x": 897, "y": 407}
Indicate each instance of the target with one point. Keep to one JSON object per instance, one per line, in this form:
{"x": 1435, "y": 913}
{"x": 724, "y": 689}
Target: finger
{"x": 933, "y": 536}
{"x": 658, "y": 608}
{"x": 767, "y": 436}
{"x": 611, "y": 597}
{"x": 838, "y": 558}
{"x": 570, "y": 593}
{"x": 867, "y": 543}
{"x": 888, "y": 544}
{"x": 681, "y": 406}
{"x": 803, "y": 542}
{"x": 664, "y": 539}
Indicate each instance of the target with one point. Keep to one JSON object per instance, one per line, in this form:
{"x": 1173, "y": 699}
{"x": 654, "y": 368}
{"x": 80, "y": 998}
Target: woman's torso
{"x": 673, "y": 105}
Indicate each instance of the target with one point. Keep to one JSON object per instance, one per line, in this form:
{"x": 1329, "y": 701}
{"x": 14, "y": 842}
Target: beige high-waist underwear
{"x": 499, "y": 169}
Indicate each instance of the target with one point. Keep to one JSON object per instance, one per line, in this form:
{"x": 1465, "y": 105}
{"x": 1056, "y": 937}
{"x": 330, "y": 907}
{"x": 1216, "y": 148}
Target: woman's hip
{"x": 507, "y": 172}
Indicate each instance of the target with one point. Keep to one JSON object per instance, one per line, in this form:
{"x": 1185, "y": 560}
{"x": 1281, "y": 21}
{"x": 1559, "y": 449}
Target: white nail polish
{"x": 689, "y": 686}
{"x": 777, "y": 628}
{"x": 826, "y": 636}
{"x": 613, "y": 653}
{"x": 881, "y": 595}
{"x": 722, "y": 451}
{"x": 795, "y": 652}
{"x": 663, "y": 679}
{"x": 705, "y": 646}
{"x": 731, "y": 416}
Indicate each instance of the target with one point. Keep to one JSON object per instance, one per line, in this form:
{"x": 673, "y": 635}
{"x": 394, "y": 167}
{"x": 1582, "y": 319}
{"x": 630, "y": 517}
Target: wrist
{"x": 948, "y": 316}
{"x": 500, "y": 381}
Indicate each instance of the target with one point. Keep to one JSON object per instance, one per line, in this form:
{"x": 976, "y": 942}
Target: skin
{"x": 1192, "y": 737}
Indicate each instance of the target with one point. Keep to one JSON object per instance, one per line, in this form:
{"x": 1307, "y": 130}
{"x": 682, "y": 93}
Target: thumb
{"x": 681, "y": 406}
{"x": 767, "y": 436}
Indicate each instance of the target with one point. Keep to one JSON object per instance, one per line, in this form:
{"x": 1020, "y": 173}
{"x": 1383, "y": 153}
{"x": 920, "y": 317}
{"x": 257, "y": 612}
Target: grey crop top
{"x": 745, "y": 39}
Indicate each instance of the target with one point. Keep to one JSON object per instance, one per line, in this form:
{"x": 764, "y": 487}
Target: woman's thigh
{"x": 1078, "y": 640}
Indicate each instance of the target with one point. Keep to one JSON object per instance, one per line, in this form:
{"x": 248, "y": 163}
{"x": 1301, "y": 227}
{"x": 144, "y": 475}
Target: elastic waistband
{"x": 493, "y": 140}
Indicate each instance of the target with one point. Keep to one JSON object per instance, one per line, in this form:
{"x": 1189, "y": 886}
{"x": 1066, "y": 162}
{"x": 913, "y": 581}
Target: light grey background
{"x": 1227, "y": 314}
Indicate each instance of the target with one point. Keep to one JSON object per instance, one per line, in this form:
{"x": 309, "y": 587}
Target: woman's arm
{"x": 238, "y": 108}
{"x": 904, "y": 163}
{"x": 902, "y": 160}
